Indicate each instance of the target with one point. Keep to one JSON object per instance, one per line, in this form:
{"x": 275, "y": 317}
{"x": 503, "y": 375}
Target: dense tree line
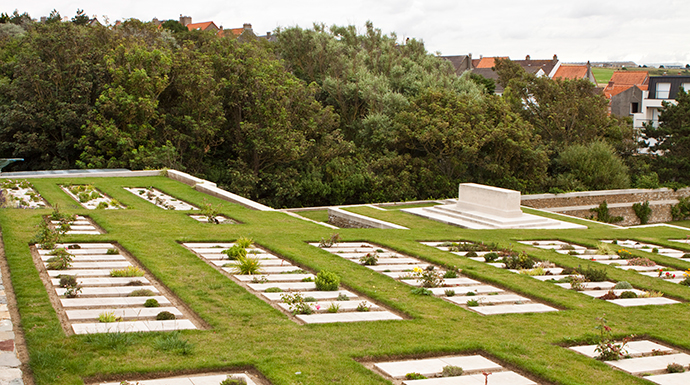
{"x": 318, "y": 116}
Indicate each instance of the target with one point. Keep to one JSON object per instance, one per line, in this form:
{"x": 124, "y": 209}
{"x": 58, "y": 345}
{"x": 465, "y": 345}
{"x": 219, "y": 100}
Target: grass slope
{"x": 247, "y": 332}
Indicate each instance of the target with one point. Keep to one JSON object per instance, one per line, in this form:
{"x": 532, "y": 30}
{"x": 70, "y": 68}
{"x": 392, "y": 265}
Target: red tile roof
{"x": 231, "y": 32}
{"x": 202, "y": 26}
{"x": 488, "y": 62}
{"x": 571, "y": 72}
{"x": 629, "y": 78}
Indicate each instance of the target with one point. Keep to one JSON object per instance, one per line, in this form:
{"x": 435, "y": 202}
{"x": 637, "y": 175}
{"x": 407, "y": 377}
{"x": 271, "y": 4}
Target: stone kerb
{"x": 346, "y": 219}
{"x": 488, "y": 199}
{"x": 584, "y": 198}
{"x": 187, "y": 178}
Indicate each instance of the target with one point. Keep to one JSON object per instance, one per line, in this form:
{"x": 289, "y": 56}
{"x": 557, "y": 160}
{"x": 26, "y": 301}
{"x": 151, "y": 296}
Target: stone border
{"x": 346, "y": 219}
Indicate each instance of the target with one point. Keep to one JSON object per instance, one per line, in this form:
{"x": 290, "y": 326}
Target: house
{"x": 575, "y": 72}
{"x": 484, "y": 66}
{"x": 661, "y": 89}
{"x": 625, "y": 92}
{"x": 461, "y": 63}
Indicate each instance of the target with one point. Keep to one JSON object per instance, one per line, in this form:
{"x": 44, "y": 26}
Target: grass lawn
{"x": 602, "y": 75}
{"x": 247, "y": 333}
{"x": 317, "y": 215}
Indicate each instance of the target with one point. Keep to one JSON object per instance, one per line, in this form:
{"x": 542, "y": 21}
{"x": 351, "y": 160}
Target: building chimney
{"x": 247, "y": 26}
{"x": 44, "y": 19}
{"x": 555, "y": 58}
{"x": 184, "y": 20}
{"x": 527, "y": 57}
{"x": 268, "y": 34}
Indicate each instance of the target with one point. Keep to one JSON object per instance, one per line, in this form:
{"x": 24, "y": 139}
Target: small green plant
{"x": 371, "y": 259}
{"x": 515, "y": 261}
{"x": 67, "y": 280}
{"x": 247, "y": 266}
{"x": 604, "y": 249}
{"x": 173, "y": 343}
{"x": 309, "y": 299}
{"x": 141, "y": 293}
{"x": 655, "y": 250}
{"x": 490, "y": 257}
{"x": 639, "y": 261}
{"x": 108, "y": 316}
{"x": 73, "y": 291}
{"x": 129, "y": 271}
{"x": 623, "y": 285}
{"x": 470, "y": 294}
{"x": 244, "y": 242}
{"x": 452, "y": 273}
{"x": 151, "y": 302}
{"x": 273, "y": 290}
{"x": 363, "y": 306}
{"x": 603, "y": 215}
{"x": 327, "y": 281}
{"x": 472, "y": 302}
{"x": 308, "y": 279}
{"x": 675, "y": 368}
{"x": 421, "y": 291}
{"x": 233, "y": 381}
{"x": 235, "y": 252}
{"x": 428, "y": 277}
{"x": 342, "y": 297}
{"x": 332, "y": 240}
{"x": 624, "y": 254}
{"x": 414, "y": 376}
{"x": 643, "y": 211}
{"x": 112, "y": 251}
{"x": 46, "y": 236}
{"x": 449, "y": 293}
{"x": 592, "y": 274}
{"x": 211, "y": 212}
{"x": 607, "y": 349}
{"x": 334, "y": 307}
{"x": 534, "y": 272}
{"x": 628, "y": 294}
{"x": 164, "y": 316}
{"x": 61, "y": 260}
{"x": 296, "y": 303}
{"x": 452, "y": 371}
{"x": 102, "y": 205}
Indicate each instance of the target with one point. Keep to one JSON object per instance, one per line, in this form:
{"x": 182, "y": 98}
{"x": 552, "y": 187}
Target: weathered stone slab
{"x": 671, "y": 378}
{"x": 627, "y": 302}
{"x": 213, "y": 379}
{"x": 634, "y": 348}
{"x": 124, "y": 313}
{"x": 285, "y": 286}
{"x": 110, "y": 302}
{"x": 319, "y": 295}
{"x": 509, "y": 309}
{"x": 651, "y": 364}
{"x": 348, "y": 317}
{"x": 488, "y": 299}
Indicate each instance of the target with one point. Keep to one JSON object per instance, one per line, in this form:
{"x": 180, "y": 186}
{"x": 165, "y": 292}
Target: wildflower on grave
{"x": 318, "y": 307}
{"x": 418, "y": 269}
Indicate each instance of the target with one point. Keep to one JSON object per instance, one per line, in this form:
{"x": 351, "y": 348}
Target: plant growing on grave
{"x": 141, "y": 293}
{"x": 414, "y": 376}
{"x": 449, "y": 293}
{"x": 72, "y": 291}
{"x": 681, "y": 210}
{"x": 363, "y": 306}
{"x": 371, "y": 259}
{"x": 534, "y": 272}
{"x": 451, "y": 371}
{"x": 471, "y": 254}
{"x": 129, "y": 271}
{"x": 61, "y": 260}
{"x": 602, "y": 214}
{"x": 173, "y": 343}
{"x": 651, "y": 294}
{"x": 451, "y": 273}
{"x": 273, "y": 290}
{"x": 428, "y": 277}
{"x": 261, "y": 279}
{"x": 327, "y": 281}
{"x": 112, "y": 251}
{"x": 624, "y": 254}
{"x": 235, "y": 252}
{"x": 308, "y": 279}
{"x": 244, "y": 242}
{"x": 577, "y": 283}
{"x": 67, "y": 280}
{"x": 332, "y": 240}
{"x": 333, "y": 308}
{"x": 46, "y": 236}
{"x": 643, "y": 211}
{"x": 309, "y": 299}
{"x": 639, "y": 261}
{"x": 490, "y": 257}
{"x": 623, "y": 285}
{"x": 517, "y": 261}
{"x": 421, "y": 291}
{"x": 296, "y": 303}
{"x": 342, "y": 297}
{"x": 74, "y": 247}
{"x": 607, "y": 349}
{"x": 604, "y": 249}
{"x": 686, "y": 280}
{"x": 233, "y": 381}
{"x": 210, "y": 211}
{"x": 164, "y": 316}
{"x": 592, "y": 274}
{"x": 108, "y": 316}
{"x": 151, "y": 302}
{"x": 675, "y": 368}
{"x": 628, "y": 294}
{"x": 472, "y": 302}
{"x": 248, "y": 266}
{"x": 102, "y": 205}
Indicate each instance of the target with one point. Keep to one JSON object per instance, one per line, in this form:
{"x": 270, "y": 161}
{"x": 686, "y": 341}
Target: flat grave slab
{"x": 671, "y": 378}
{"x": 497, "y": 378}
{"x": 648, "y": 247}
{"x": 160, "y": 199}
{"x": 90, "y": 198}
{"x": 411, "y": 270}
{"x": 221, "y": 219}
{"x": 281, "y": 290}
{"x": 99, "y": 294}
{"x": 199, "y": 379}
{"x": 80, "y": 226}
{"x": 21, "y": 194}
{"x": 634, "y": 348}
{"x": 652, "y": 364}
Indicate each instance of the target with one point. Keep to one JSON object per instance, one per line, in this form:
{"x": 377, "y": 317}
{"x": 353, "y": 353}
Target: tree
{"x": 54, "y": 17}
{"x": 80, "y": 18}
{"x": 592, "y": 166}
{"x": 669, "y": 143}
{"x": 174, "y": 26}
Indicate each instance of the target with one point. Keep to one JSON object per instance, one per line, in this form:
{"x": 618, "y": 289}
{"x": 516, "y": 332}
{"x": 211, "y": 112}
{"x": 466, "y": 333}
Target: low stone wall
{"x": 346, "y": 219}
{"x": 619, "y": 202}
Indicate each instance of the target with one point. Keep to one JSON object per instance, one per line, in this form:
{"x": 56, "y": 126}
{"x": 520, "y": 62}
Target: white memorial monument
{"x": 487, "y": 207}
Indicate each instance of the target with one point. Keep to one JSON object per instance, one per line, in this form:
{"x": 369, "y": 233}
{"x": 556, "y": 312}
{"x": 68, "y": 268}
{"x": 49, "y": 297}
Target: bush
{"x": 628, "y": 294}
{"x": 603, "y": 214}
{"x": 421, "y": 291}
{"x": 623, "y": 285}
{"x": 151, "y": 302}
{"x": 129, "y": 271}
{"x": 451, "y": 371}
{"x": 247, "y": 266}
{"x": 61, "y": 260}
{"x": 414, "y": 376}
{"x": 141, "y": 293}
{"x": 371, "y": 259}
{"x": 327, "y": 281}
{"x": 67, "y": 281}
{"x": 681, "y": 210}
{"x": 235, "y": 252}
{"x": 643, "y": 211}
{"x": 165, "y": 315}
{"x": 450, "y": 274}
{"x": 675, "y": 368}
{"x": 592, "y": 274}
{"x": 518, "y": 261}
{"x": 490, "y": 257}
{"x": 471, "y": 254}
{"x": 596, "y": 166}
{"x": 640, "y": 262}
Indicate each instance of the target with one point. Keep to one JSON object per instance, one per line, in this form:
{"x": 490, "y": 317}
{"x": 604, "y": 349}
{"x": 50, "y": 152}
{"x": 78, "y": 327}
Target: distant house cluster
{"x": 210, "y": 26}
{"x": 553, "y": 68}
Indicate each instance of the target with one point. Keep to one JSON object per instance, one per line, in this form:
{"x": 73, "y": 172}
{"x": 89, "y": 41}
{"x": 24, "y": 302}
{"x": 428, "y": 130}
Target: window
{"x": 685, "y": 87}
{"x": 662, "y": 90}
{"x": 634, "y": 107}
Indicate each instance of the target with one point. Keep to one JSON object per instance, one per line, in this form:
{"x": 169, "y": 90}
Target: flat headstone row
{"x": 208, "y": 379}
{"x": 21, "y": 194}
{"x": 160, "y": 199}
{"x": 278, "y": 277}
{"x": 595, "y": 289}
{"x": 81, "y": 226}
{"x": 476, "y": 369}
{"x": 92, "y": 204}
{"x": 460, "y": 291}
{"x": 102, "y": 293}
{"x": 648, "y": 359}
{"x": 10, "y": 373}
{"x": 648, "y": 247}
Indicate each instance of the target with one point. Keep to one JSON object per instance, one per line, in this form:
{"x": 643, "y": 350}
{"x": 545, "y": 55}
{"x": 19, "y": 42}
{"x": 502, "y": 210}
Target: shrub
{"x": 151, "y": 302}
{"x": 643, "y": 211}
{"x": 61, "y": 260}
{"x": 72, "y": 291}
{"x": 327, "y": 281}
{"x": 141, "y": 293}
{"x": 490, "y": 257}
{"x": 451, "y": 371}
{"x": 233, "y": 381}
{"x": 296, "y": 303}
{"x": 628, "y": 294}
{"x": 129, "y": 271}
{"x": 363, "y": 306}
{"x": 518, "y": 261}
{"x": 428, "y": 277}
{"x": 243, "y": 242}
{"x": 414, "y": 376}
{"x": 273, "y": 290}
{"x": 592, "y": 274}
{"x": 624, "y": 254}
{"x": 681, "y": 210}
{"x": 675, "y": 368}
{"x": 235, "y": 252}
{"x": 603, "y": 214}
{"x": 640, "y": 262}
{"x": 472, "y": 302}
{"x": 450, "y": 293}
{"x": 247, "y": 266}
{"x": 450, "y": 274}
{"x": 67, "y": 280}
{"x": 421, "y": 291}
{"x": 371, "y": 259}
{"x": 165, "y": 315}
{"x": 471, "y": 254}
{"x": 593, "y": 166}
{"x": 623, "y": 285}
{"x": 108, "y": 317}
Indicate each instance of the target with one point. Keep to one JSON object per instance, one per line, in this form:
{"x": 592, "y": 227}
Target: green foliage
{"x": 141, "y": 293}
{"x": 623, "y": 285}
{"x": 371, "y": 259}
{"x": 296, "y": 303}
{"x": 681, "y": 210}
{"x": 327, "y": 281}
{"x": 414, "y": 376}
{"x": 332, "y": 240}
{"x": 490, "y": 257}
{"x": 247, "y": 266}
{"x": 165, "y": 315}
{"x": 61, "y": 260}
{"x": 243, "y": 242}
{"x": 643, "y": 211}
{"x": 129, "y": 271}
{"x": 236, "y": 252}
{"x": 591, "y": 166}
{"x": 603, "y": 215}
{"x": 172, "y": 342}
{"x": 108, "y": 317}
{"x": 449, "y": 292}
{"x": 451, "y": 371}
{"x": 151, "y": 302}
{"x": 472, "y": 303}
{"x": 233, "y": 381}
{"x": 421, "y": 291}
{"x": 428, "y": 277}
{"x": 628, "y": 294}
{"x": 517, "y": 261}
{"x": 363, "y": 306}
{"x": 592, "y": 274}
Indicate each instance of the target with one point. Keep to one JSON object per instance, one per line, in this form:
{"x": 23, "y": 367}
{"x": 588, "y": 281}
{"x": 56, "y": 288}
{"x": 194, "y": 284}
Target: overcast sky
{"x": 578, "y": 30}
